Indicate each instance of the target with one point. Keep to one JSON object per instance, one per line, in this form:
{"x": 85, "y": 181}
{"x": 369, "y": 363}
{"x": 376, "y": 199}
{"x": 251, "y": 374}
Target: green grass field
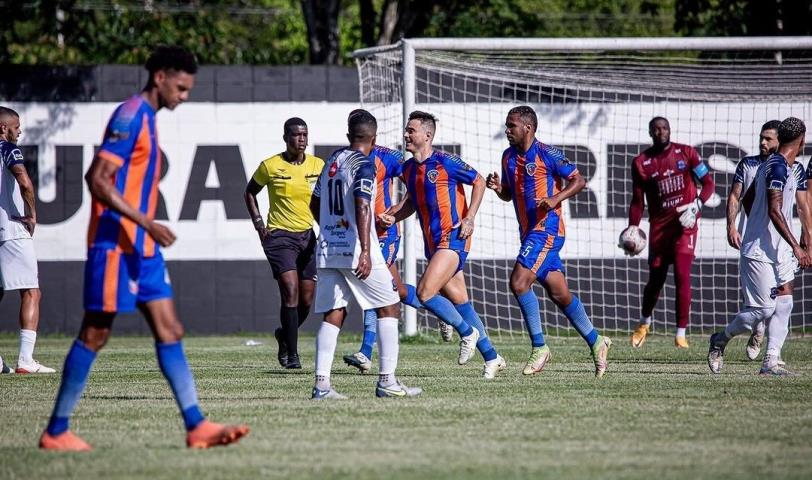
{"x": 658, "y": 413}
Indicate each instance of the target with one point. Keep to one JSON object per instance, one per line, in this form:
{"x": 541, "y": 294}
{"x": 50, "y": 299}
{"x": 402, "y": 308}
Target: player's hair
{"x": 293, "y": 122}
{"x": 426, "y": 119}
{"x": 527, "y": 114}
{"x": 790, "y": 130}
{"x": 771, "y": 125}
{"x": 171, "y": 57}
{"x": 361, "y": 125}
{"x": 651, "y": 122}
{"x": 7, "y": 112}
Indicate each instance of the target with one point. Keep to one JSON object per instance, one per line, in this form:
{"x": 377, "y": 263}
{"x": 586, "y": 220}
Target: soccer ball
{"x": 632, "y": 240}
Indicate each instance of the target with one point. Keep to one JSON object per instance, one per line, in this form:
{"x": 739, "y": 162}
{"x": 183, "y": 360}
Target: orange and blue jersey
{"x": 435, "y": 187}
{"x": 131, "y": 143}
{"x": 532, "y": 176}
{"x": 388, "y": 165}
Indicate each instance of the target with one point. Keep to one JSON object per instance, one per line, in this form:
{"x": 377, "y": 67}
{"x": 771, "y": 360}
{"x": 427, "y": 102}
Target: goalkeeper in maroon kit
{"x": 667, "y": 173}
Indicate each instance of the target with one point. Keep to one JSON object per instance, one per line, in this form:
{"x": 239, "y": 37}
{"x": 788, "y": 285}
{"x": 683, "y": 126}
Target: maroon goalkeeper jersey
{"x": 667, "y": 180}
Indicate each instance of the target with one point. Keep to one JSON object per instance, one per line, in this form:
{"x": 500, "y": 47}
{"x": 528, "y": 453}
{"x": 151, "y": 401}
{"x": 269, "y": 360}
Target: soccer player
{"x": 770, "y": 252}
{"x": 434, "y": 184}
{"x": 125, "y": 268}
{"x": 350, "y": 263}
{"x": 742, "y": 179}
{"x": 288, "y": 238}
{"x": 18, "y": 262}
{"x": 533, "y": 176}
{"x": 665, "y": 174}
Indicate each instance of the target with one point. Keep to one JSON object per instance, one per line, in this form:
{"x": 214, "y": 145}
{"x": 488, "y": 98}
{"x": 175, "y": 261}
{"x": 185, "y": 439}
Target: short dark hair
{"x": 771, "y": 125}
{"x": 293, "y": 122}
{"x": 361, "y": 125}
{"x": 426, "y": 119}
{"x": 527, "y": 114}
{"x": 790, "y": 130}
{"x": 7, "y": 112}
{"x": 171, "y": 57}
{"x": 651, "y": 122}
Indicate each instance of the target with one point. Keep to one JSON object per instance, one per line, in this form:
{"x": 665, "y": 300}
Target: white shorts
{"x": 18, "y": 264}
{"x": 760, "y": 279}
{"x": 335, "y": 286}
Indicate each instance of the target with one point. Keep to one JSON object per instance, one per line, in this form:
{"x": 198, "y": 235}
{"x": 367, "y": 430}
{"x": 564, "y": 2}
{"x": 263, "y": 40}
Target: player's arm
{"x": 637, "y": 204}
{"x": 477, "y": 193}
{"x": 362, "y": 189}
{"x": 689, "y": 212}
{"x": 805, "y": 214}
{"x": 575, "y": 184}
{"x": 29, "y": 218}
{"x": 396, "y": 213}
{"x": 502, "y": 190}
{"x": 733, "y": 206}
{"x": 250, "y": 196}
{"x": 775, "y": 201}
{"x": 100, "y": 179}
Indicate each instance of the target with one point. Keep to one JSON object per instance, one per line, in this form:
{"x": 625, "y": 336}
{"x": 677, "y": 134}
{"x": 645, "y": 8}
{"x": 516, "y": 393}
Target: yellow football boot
{"x": 681, "y": 342}
{"x": 639, "y": 335}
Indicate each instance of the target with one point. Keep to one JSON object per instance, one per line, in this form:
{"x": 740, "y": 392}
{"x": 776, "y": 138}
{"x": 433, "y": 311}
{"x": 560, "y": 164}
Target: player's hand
{"x": 466, "y": 228}
{"x": 384, "y": 221}
{"x": 493, "y": 182}
{"x": 547, "y": 204}
{"x": 364, "y": 265}
{"x": 804, "y": 260}
{"x": 733, "y": 238}
{"x": 161, "y": 234}
{"x": 627, "y": 252}
{"x": 689, "y": 212}
{"x": 29, "y": 221}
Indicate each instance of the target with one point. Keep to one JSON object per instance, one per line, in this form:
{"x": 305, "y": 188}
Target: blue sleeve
{"x": 738, "y": 175}
{"x": 559, "y": 162}
{"x": 317, "y": 188}
{"x": 800, "y": 177}
{"x": 11, "y": 155}
{"x": 776, "y": 176}
{"x": 459, "y": 170}
{"x": 363, "y": 180}
{"x": 121, "y": 134}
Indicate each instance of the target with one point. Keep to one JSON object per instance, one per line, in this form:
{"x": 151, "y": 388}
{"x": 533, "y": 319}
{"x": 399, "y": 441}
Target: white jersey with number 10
{"x": 347, "y": 175}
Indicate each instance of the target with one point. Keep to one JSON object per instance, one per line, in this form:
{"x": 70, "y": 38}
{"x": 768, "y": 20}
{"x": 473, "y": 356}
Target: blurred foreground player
{"x": 125, "y": 268}
{"x": 665, "y": 174}
{"x": 18, "y": 262}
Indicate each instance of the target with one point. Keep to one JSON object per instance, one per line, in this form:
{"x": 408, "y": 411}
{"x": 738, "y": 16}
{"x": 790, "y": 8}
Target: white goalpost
{"x": 594, "y": 98}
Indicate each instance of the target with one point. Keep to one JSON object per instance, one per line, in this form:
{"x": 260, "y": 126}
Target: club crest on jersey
{"x": 432, "y": 175}
{"x": 333, "y": 169}
{"x": 18, "y": 155}
{"x": 680, "y": 165}
{"x": 531, "y": 168}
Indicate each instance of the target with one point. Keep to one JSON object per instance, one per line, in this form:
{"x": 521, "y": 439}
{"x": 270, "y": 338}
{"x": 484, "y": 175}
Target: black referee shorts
{"x": 288, "y": 251}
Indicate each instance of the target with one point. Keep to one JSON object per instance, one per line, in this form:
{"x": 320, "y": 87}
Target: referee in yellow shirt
{"x": 288, "y": 238}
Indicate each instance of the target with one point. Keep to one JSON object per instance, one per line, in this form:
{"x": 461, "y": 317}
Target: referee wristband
{"x": 258, "y": 223}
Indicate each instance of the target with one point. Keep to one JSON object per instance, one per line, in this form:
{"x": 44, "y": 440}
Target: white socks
{"x": 388, "y": 348}
{"x": 778, "y": 325}
{"x": 681, "y": 332}
{"x": 645, "y": 321}
{"x": 326, "y": 340}
{"x": 28, "y": 338}
{"x": 744, "y": 321}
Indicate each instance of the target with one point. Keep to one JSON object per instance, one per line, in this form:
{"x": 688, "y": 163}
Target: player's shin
{"x": 411, "y": 297}
{"x": 289, "y": 317}
{"x": 443, "y": 309}
{"x": 388, "y": 350}
{"x": 326, "y": 340}
{"x": 175, "y": 368}
{"x": 744, "y": 321}
{"x": 529, "y": 305}
{"x": 77, "y": 367}
{"x": 370, "y": 329}
{"x": 778, "y": 326}
{"x": 576, "y": 314}
{"x": 467, "y": 312}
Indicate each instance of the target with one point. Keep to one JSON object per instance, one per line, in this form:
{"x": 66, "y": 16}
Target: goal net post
{"x": 594, "y": 98}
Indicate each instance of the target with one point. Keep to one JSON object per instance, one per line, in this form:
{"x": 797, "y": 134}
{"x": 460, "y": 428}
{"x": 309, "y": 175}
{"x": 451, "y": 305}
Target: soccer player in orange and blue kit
{"x": 434, "y": 182}
{"x": 125, "y": 268}
{"x": 533, "y": 176}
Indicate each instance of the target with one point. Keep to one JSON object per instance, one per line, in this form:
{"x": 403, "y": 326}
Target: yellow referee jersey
{"x": 289, "y": 190}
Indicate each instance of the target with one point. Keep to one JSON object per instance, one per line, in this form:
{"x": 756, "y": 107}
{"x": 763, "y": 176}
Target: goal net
{"x": 594, "y": 101}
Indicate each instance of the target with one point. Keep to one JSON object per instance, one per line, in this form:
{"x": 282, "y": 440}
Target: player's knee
{"x": 94, "y": 338}
{"x": 389, "y": 311}
{"x": 31, "y": 295}
{"x": 290, "y": 294}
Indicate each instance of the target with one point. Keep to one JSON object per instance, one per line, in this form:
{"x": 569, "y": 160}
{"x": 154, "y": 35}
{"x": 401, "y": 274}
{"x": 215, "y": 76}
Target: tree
{"x": 321, "y": 18}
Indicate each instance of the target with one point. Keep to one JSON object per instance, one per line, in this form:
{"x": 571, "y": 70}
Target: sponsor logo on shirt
{"x": 647, "y": 162}
{"x": 18, "y": 155}
{"x": 432, "y": 175}
{"x": 333, "y": 169}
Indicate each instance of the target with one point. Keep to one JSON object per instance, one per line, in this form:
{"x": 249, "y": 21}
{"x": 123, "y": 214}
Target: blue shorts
{"x": 539, "y": 253}
{"x": 116, "y": 282}
{"x": 389, "y": 248}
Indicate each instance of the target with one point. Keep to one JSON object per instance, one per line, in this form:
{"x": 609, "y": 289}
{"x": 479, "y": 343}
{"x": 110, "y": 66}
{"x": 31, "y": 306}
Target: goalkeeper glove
{"x": 689, "y": 212}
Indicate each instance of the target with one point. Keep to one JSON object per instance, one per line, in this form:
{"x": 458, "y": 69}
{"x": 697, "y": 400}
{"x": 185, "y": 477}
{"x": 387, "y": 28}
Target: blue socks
{"x": 74, "y": 377}
{"x": 443, "y": 309}
{"x": 577, "y": 316}
{"x": 467, "y": 312}
{"x": 172, "y": 362}
{"x": 411, "y": 297}
{"x": 529, "y": 305}
{"x": 370, "y": 326}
